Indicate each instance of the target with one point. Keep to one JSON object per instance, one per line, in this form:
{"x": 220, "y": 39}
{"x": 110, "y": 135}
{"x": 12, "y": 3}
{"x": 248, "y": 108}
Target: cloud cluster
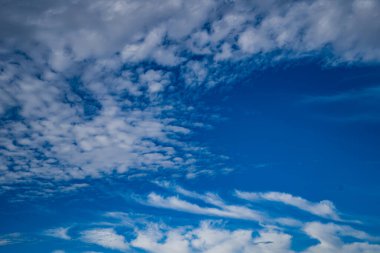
{"x": 96, "y": 88}
{"x": 222, "y": 29}
{"x": 107, "y": 121}
{"x": 210, "y": 238}
{"x": 213, "y": 236}
{"x": 126, "y": 233}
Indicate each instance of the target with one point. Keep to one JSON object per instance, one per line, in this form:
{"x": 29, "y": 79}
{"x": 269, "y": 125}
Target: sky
{"x": 175, "y": 126}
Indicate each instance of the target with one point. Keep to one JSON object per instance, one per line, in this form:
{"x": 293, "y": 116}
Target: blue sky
{"x": 190, "y": 126}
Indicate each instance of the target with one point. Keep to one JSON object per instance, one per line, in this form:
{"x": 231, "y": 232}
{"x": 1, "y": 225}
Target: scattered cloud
{"x": 96, "y": 89}
{"x": 213, "y": 206}
{"x": 223, "y": 230}
{"x": 11, "y": 238}
{"x": 217, "y": 236}
{"x": 143, "y": 31}
{"x": 92, "y": 89}
{"x": 330, "y": 237}
{"x": 105, "y": 237}
{"x": 61, "y": 233}
{"x": 323, "y": 208}
{"x": 210, "y": 237}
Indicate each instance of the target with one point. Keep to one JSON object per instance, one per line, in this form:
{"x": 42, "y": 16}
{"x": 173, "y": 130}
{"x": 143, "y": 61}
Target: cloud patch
{"x": 105, "y": 237}
{"x": 323, "y": 208}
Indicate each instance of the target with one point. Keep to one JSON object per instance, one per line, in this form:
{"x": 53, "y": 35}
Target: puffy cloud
{"x": 210, "y": 238}
{"x": 72, "y": 130}
{"x": 87, "y": 88}
{"x": 330, "y": 237}
{"x": 144, "y": 30}
{"x": 323, "y": 208}
{"x": 105, "y": 237}
{"x": 228, "y": 234}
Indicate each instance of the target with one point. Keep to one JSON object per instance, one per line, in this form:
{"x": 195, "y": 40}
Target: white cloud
{"x": 61, "y": 233}
{"x": 140, "y": 29}
{"x": 115, "y": 118}
{"x": 271, "y": 235}
{"x": 220, "y": 237}
{"x": 155, "y": 80}
{"x": 221, "y": 209}
{"x": 12, "y": 238}
{"x": 105, "y": 237}
{"x": 210, "y": 238}
{"x": 90, "y": 130}
{"x": 330, "y": 239}
{"x": 218, "y": 207}
{"x": 323, "y": 208}
{"x": 4, "y": 242}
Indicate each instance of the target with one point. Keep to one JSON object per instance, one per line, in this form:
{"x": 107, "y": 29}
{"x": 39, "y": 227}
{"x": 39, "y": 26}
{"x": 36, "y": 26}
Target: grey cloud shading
{"x": 84, "y": 84}
{"x": 75, "y": 30}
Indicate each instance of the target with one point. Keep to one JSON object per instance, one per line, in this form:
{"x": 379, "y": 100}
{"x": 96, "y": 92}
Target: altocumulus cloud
{"x": 97, "y": 89}
{"x": 85, "y": 85}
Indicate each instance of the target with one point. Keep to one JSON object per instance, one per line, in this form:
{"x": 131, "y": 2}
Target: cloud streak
{"x": 106, "y": 238}
{"x": 324, "y": 208}
{"x": 223, "y": 210}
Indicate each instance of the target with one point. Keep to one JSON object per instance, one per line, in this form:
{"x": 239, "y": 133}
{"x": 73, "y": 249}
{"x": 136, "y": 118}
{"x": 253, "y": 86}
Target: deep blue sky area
{"x": 274, "y": 133}
{"x": 179, "y": 126}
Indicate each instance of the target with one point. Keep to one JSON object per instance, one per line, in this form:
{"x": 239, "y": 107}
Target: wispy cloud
{"x": 216, "y": 236}
{"x": 223, "y": 210}
{"x": 213, "y": 205}
{"x": 105, "y": 237}
{"x": 61, "y": 233}
{"x": 353, "y": 105}
{"x": 323, "y": 208}
{"x": 226, "y": 232}
{"x": 11, "y": 238}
